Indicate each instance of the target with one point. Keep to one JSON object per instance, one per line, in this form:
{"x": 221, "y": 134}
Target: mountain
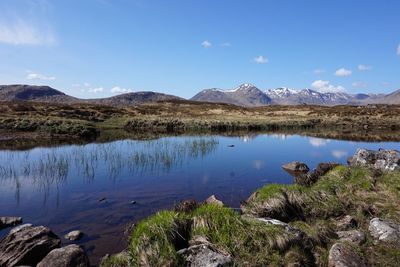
{"x": 21, "y": 92}
{"x": 48, "y": 94}
{"x": 245, "y": 95}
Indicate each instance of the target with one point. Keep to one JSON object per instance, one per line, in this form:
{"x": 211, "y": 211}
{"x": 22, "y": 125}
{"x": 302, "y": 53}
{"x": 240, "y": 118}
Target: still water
{"x": 61, "y": 187}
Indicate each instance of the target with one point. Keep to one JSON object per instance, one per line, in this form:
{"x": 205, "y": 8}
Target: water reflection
{"x": 43, "y": 169}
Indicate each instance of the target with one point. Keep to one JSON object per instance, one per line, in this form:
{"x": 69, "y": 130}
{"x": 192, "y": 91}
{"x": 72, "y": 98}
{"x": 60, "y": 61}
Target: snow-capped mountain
{"x": 245, "y": 95}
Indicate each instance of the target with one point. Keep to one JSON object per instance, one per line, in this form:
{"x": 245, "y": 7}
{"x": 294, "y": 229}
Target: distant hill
{"x": 48, "y": 94}
{"x": 245, "y": 95}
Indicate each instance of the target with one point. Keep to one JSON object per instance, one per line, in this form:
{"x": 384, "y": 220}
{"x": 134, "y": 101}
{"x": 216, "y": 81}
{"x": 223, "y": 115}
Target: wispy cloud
{"x": 261, "y": 60}
{"x": 327, "y": 87}
{"x": 226, "y": 44}
{"x": 363, "y": 67}
{"x": 318, "y": 71}
{"x": 21, "y": 32}
{"x": 398, "y": 50}
{"x": 96, "y": 90}
{"x": 359, "y": 85}
{"x": 206, "y": 44}
{"x": 38, "y": 76}
{"x": 119, "y": 90}
{"x": 342, "y": 72}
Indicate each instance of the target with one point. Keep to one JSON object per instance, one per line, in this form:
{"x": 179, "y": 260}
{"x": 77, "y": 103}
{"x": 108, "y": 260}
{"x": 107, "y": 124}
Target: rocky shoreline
{"x": 334, "y": 215}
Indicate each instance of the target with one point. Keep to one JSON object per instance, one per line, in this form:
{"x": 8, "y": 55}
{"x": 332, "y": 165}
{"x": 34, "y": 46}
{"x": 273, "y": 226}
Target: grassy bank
{"x": 314, "y": 215}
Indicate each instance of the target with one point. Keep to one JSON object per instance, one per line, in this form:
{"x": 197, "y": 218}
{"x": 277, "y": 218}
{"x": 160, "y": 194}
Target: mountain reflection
{"x": 43, "y": 168}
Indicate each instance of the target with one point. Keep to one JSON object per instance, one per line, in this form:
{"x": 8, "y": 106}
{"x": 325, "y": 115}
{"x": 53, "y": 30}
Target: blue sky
{"x": 97, "y": 48}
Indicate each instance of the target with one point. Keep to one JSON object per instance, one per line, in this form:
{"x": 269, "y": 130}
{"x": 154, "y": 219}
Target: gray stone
{"x": 345, "y": 222}
{"x": 74, "y": 235}
{"x": 295, "y": 167}
{"x": 385, "y": 231}
{"x": 353, "y": 236}
{"x": 213, "y": 200}
{"x": 9, "y": 221}
{"x": 203, "y": 254}
{"x": 343, "y": 255}
{"x": 384, "y": 160}
{"x": 28, "y": 246}
{"x": 68, "y": 256}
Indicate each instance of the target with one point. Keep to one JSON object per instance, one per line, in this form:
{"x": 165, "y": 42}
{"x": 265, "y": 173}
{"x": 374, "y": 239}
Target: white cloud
{"x": 362, "y": 67}
{"x": 120, "y": 90}
{"x": 206, "y": 44}
{"x": 38, "y": 76}
{"x": 342, "y": 72}
{"x": 317, "y": 142}
{"x": 21, "y": 32}
{"x": 359, "y": 84}
{"x": 261, "y": 60}
{"x": 398, "y": 50}
{"x": 96, "y": 90}
{"x": 339, "y": 154}
{"x": 318, "y": 71}
{"x": 327, "y": 87}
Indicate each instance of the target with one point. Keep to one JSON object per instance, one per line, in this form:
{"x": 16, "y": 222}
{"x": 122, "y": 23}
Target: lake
{"x": 91, "y": 187}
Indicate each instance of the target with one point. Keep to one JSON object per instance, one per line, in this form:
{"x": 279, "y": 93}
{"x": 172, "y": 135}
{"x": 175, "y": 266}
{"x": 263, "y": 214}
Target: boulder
{"x": 343, "y": 255}
{"x": 213, "y": 200}
{"x": 9, "y": 221}
{"x": 324, "y": 167}
{"x": 20, "y": 227}
{"x": 28, "y": 246}
{"x": 74, "y": 235}
{"x": 295, "y": 167}
{"x": 71, "y": 255}
{"x": 308, "y": 179}
{"x": 385, "y": 231}
{"x": 353, "y": 236}
{"x": 202, "y": 253}
{"x": 384, "y": 160}
{"x": 186, "y": 206}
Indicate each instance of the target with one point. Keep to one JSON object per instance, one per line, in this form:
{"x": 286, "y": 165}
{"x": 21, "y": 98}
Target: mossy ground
{"x": 359, "y": 192}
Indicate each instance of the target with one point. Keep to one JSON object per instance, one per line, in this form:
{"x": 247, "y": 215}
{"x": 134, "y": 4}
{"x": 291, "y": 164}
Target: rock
{"x": 295, "y": 167}
{"x": 345, "y": 222}
{"x": 202, "y": 253}
{"x": 385, "y": 160}
{"x": 308, "y": 179}
{"x": 231, "y": 145}
{"x": 343, "y": 255}
{"x": 71, "y": 255}
{"x": 213, "y": 200}
{"x": 385, "y": 231}
{"x": 102, "y": 199}
{"x": 28, "y": 246}
{"x": 74, "y": 235}
{"x": 19, "y": 227}
{"x": 287, "y": 227}
{"x": 324, "y": 167}
{"x": 132, "y": 202}
{"x": 9, "y": 221}
{"x": 353, "y": 236}
{"x": 186, "y": 206}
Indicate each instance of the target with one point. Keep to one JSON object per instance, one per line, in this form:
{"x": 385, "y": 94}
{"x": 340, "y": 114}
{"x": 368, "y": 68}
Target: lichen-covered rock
{"x": 388, "y": 160}
{"x": 295, "y": 167}
{"x": 71, "y": 255}
{"x": 343, "y": 255}
{"x": 345, "y": 222}
{"x": 385, "y": 231}
{"x": 74, "y": 235}
{"x": 9, "y": 221}
{"x": 353, "y": 236}
{"x": 201, "y": 253}
{"x": 28, "y": 246}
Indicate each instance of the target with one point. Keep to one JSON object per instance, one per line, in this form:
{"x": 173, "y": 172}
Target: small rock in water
{"x": 9, "y": 221}
{"x": 231, "y": 145}
{"x": 74, "y": 235}
{"x": 71, "y": 255}
{"x": 132, "y": 202}
{"x": 296, "y": 167}
{"x": 102, "y": 199}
